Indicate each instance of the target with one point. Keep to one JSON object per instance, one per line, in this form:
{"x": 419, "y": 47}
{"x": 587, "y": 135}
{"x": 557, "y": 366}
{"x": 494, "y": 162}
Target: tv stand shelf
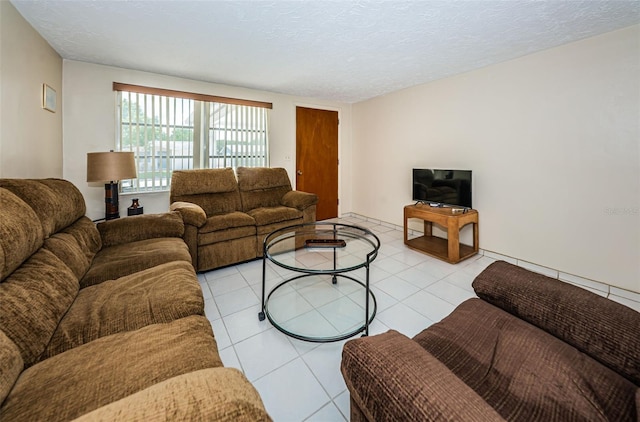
{"x": 450, "y": 249}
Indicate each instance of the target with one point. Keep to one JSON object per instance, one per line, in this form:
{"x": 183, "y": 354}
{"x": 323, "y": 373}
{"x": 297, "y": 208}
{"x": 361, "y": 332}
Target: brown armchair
{"x": 226, "y": 219}
{"x": 529, "y": 347}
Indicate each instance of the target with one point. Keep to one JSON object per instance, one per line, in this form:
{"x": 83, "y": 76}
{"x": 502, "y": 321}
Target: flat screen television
{"x": 442, "y": 187}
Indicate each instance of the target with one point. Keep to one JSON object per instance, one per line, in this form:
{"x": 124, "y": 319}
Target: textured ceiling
{"x": 338, "y": 50}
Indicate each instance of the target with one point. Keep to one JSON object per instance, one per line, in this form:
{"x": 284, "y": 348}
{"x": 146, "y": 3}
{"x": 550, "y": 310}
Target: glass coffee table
{"x": 319, "y": 301}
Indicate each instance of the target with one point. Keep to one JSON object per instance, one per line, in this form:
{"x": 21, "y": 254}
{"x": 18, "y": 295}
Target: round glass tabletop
{"x": 321, "y": 247}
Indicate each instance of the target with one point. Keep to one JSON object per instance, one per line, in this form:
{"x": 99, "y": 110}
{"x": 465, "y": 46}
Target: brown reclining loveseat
{"x": 227, "y": 218}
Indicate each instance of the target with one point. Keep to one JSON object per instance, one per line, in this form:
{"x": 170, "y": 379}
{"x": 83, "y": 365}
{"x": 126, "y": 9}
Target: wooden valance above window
{"x": 117, "y": 86}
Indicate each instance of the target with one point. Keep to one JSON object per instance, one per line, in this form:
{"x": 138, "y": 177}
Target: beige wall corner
{"x": 30, "y": 136}
{"x": 553, "y": 140}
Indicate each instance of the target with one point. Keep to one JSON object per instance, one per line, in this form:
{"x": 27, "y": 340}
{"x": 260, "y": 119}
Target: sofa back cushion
{"x": 38, "y": 281}
{"x": 34, "y": 299}
{"x": 56, "y": 202}
{"x": 214, "y": 190}
{"x": 262, "y": 186}
{"x": 605, "y": 330}
{"x": 10, "y": 367}
{"x": 20, "y": 232}
{"x": 76, "y": 245}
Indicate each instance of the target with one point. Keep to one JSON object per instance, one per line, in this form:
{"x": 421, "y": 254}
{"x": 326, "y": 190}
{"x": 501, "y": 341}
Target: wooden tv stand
{"x": 450, "y": 249}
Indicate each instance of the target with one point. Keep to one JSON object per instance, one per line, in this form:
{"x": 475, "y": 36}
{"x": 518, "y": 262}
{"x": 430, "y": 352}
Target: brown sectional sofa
{"x": 530, "y": 348}
{"x": 227, "y": 218}
{"x": 106, "y": 322}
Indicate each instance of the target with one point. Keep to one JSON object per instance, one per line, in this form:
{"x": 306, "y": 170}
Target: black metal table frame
{"x": 335, "y": 273}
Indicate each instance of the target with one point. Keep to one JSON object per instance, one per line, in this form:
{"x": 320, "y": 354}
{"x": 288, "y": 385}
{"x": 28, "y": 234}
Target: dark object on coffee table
{"x": 325, "y": 243}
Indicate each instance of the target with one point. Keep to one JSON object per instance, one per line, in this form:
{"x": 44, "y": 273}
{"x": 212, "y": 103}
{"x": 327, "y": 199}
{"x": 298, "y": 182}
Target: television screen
{"x": 443, "y": 187}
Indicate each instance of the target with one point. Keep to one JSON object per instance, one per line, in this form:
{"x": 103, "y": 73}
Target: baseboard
{"x": 617, "y": 294}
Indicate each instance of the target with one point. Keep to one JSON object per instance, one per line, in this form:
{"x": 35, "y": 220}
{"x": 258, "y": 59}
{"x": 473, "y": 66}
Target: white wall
{"x": 554, "y": 144}
{"x": 90, "y": 125}
{"x": 30, "y": 136}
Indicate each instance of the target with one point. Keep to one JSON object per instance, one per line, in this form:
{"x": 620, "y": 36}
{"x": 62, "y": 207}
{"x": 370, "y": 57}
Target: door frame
{"x": 327, "y": 108}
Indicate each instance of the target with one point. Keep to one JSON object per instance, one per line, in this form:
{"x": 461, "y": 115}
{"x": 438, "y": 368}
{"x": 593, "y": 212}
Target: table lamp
{"x": 110, "y": 167}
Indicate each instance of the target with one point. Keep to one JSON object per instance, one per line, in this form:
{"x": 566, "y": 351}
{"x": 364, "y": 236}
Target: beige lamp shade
{"x": 110, "y": 166}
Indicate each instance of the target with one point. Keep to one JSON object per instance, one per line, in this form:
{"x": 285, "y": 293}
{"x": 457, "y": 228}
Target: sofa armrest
{"x": 299, "y": 200}
{"x": 191, "y": 213}
{"x": 392, "y": 378}
{"x": 215, "y": 394}
{"x": 140, "y": 227}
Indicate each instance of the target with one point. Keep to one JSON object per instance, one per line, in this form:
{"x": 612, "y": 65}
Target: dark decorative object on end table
{"x": 135, "y": 208}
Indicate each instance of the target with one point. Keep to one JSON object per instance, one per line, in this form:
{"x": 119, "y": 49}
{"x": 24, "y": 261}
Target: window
{"x": 172, "y": 130}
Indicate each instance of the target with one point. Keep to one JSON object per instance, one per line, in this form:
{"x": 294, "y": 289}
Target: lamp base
{"x": 111, "y": 208}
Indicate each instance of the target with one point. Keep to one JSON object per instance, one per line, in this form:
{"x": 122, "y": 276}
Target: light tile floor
{"x": 301, "y": 381}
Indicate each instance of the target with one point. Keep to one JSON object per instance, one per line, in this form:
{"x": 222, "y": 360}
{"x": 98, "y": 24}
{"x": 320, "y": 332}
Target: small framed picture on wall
{"x": 48, "y": 98}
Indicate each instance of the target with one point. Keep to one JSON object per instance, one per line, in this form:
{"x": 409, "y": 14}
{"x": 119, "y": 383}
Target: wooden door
{"x": 317, "y": 158}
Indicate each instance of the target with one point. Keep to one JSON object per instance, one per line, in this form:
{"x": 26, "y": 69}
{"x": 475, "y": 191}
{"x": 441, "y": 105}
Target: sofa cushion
{"x": 227, "y": 221}
{"x": 602, "y": 328}
{"x": 156, "y": 295}
{"x": 76, "y": 245}
{"x": 11, "y": 366}
{"x": 33, "y": 300}
{"x": 214, "y": 190}
{"x": 80, "y": 380}
{"x": 260, "y": 178}
{"x": 124, "y": 259}
{"x": 262, "y": 186}
{"x": 57, "y": 203}
{"x": 214, "y": 394}
{"x": 265, "y": 216}
{"x": 524, "y": 372}
{"x": 20, "y": 232}
{"x": 216, "y": 203}
{"x": 194, "y": 182}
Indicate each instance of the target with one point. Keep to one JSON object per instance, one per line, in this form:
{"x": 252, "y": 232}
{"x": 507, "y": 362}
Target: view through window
{"x": 187, "y": 131}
